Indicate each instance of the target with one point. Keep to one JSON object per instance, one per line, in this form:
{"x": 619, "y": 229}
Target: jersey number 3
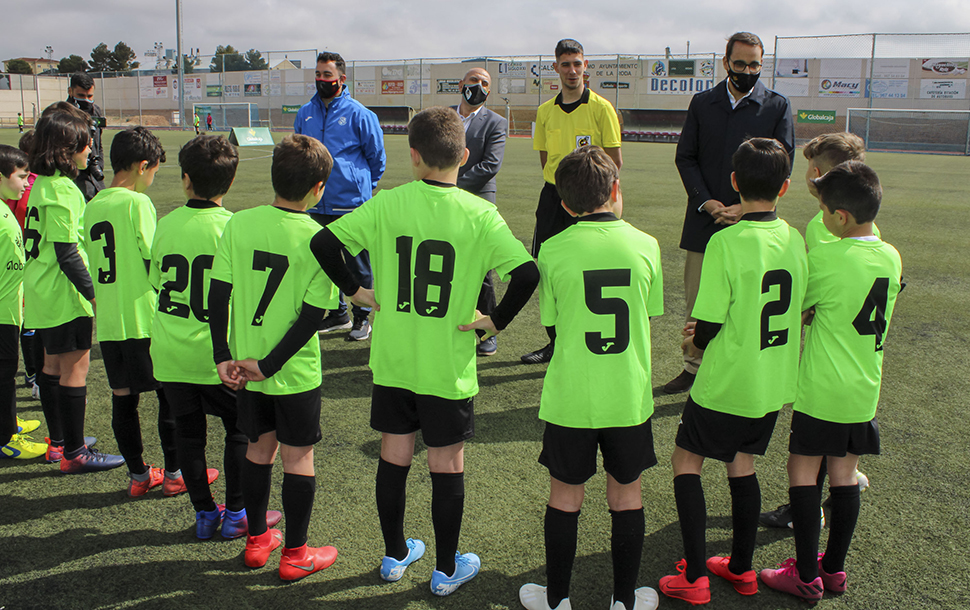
{"x": 434, "y": 269}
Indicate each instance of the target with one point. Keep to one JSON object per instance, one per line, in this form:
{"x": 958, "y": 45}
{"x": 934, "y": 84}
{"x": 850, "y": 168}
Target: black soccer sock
{"x": 71, "y": 402}
{"x": 626, "y": 545}
{"x": 28, "y": 347}
{"x": 8, "y": 398}
{"x": 805, "y": 521}
{"x": 845, "y": 514}
{"x": 447, "y": 508}
{"x": 745, "y": 508}
{"x": 551, "y": 331}
{"x": 256, "y": 484}
{"x": 50, "y": 390}
{"x": 391, "y": 490}
{"x": 166, "y": 432}
{"x": 127, "y": 428}
{"x": 823, "y": 470}
{"x": 692, "y": 511}
{"x": 190, "y": 442}
{"x": 560, "y": 532}
{"x": 297, "y": 495}
{"x": 233, "y": 459}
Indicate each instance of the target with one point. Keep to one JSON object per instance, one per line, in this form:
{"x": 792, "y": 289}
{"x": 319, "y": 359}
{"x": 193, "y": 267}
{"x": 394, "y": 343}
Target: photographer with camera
{"x": 80, "y": 93}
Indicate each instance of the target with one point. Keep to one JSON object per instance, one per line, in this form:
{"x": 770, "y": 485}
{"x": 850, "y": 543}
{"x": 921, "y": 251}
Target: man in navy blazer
{"x": 485, "y": 133}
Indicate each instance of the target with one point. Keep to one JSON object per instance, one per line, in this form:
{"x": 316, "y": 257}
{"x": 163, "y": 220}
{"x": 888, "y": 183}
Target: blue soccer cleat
{"x": 467, "y": 567}
{"x": 208, "y": 521}
{"x": 393, "y": 569}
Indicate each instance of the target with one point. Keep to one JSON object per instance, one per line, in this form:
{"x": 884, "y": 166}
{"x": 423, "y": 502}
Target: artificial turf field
{"x": 80, "y": 542}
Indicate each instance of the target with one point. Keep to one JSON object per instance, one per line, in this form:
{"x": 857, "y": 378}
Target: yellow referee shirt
{"x": 560, "y": 129}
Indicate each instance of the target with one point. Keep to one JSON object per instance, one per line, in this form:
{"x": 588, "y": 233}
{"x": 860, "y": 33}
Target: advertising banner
{"x": 294, "y": 89}
{"x": 419, "y": 87}
{"x": 681, "y": 67}
{"x": 626, "y": 68}
{"x": 840, "y": 87}
{"x": 193, "y": 88}
{"x": 931, "y": 89}
{"x": 889, "y": 68}
{"x": 291, "y": 109}
{"x": 849, "y": 69}
{"x": 791, "y": 68}
{"x": 816, "y": 116}
{"x": 513, "y": 68}
{"x": 792, "y": 87}
{"x": 232, "y": 90}
{"x": 213, "y": 90}
{"x": 365, "y": 87}
{"x": 392, "y": 87}
{"x": 679, "y": 86}
{"x": 448, "y": 85}
{"x": 887, "y": 88}
{"x": 508, "y": 86}
{"x": 253, "y": 90}
{"x": 949, "y": 68}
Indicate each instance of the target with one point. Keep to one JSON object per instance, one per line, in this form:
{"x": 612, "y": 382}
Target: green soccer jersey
{"x": 852, "y": 284}
{"x": 752, "y": 283}
{"x": 182, "y": 254}
{"x": 55, "y": 214}
{"x": 601, "y": 282}
{"x": 119, "y": 226}
{"x": 816, "y": 233}
{"x": 430, "y": 247}
{"x": 265, "y": 254}
{"x": 12, "y": 271}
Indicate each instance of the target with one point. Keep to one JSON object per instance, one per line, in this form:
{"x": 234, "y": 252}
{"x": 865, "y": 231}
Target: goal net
{"x": 925, "y": 131}
{"x": 225, "y": 116}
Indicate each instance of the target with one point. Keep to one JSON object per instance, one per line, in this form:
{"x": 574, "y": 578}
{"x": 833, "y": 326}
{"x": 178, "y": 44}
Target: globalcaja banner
{"x": 816, "y": 116}
{"x": 291, "y": 109}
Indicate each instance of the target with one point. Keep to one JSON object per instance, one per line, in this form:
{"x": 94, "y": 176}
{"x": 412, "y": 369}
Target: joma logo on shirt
{"x": 15, "y": 266}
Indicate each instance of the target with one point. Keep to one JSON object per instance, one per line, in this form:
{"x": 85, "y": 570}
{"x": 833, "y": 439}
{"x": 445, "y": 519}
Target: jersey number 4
{"x": 871, "y": 319}
{"x": 594, "y": 282}
{"x": 431, "y": 289}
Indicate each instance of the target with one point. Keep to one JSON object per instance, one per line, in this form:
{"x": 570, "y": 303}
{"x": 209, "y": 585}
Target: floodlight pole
{"x": 181, "y": 65}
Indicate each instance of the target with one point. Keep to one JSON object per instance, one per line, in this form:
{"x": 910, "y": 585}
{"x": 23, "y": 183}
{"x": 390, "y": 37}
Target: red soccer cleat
{"x": 787, "y": 580}
{"x": 745, "y": 584}
{"x": 173, "y": 487}
{"x": 303, "y": 561}
{"x": 694, "y": 593}
{"x": 258, "y": 548}
{"x": 140, "y": 488}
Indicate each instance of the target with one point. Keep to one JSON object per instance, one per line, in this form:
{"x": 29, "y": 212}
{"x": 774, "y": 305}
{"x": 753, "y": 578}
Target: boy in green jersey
{"x": 852, "y": 289}
{"x": 823, "y": 153}
{"x": 748, "y": 322}
{"x": 427, "y": 240}
{"x": 119, "y": 225}
{"x": 58, "y": 292}
{"x": 601, "y": 280}
{"x": 182, "y": 254}
{"x": 279, "y": 295}
{"x": 20, "y": 122}
{"x": 14, "y": 443}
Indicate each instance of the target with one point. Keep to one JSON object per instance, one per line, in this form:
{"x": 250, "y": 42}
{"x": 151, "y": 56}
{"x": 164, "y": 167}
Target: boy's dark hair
{"x": 299, "y": 164}
{"x": 745, "y": 38}
{"x": 439, "y": 137}
{"x": 81, "y": 80}
{"x": 568, "y": 46}
{"x": 66, "y": 107}
{"x": 57, "y": 138}
{"x": 761, "y": 166}
{"x": 135, "y": 145}
{"x": 11, "y": 159}
{"x": 830, "y": 149}
{"x": 585, "y": 179}
{"x": 852, "y": 186}
{"x": 26, "y": 141}
{"x": 336, "y": 59}
{"x": 210, "y": 163}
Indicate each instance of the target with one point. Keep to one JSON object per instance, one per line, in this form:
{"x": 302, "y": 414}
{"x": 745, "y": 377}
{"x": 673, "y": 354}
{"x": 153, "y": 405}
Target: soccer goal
{"x": 925, "y": 131}
{"x": 225, "y": 116}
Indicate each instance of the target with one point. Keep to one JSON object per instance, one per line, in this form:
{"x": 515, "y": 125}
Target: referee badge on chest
{"x": 583, "y": 141}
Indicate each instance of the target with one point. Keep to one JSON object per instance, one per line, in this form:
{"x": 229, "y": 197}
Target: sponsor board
{"x": 419, "y": 87}
{"x": 513, "y": 68}
{"x": 294, "y": 89}
{"x": 365, "y": 87}
{"x": 680, "y": 67}
{"x": 950, "y": 68}
{"x": 288, "y": 109}
{"x": 602, "y": 69}
{"x": 250, "y": 136}
{"x": 392, "y": 87}
{"x": 679, "y": 86}
{"x": 816, "y": 116}
{"x": 839, "y": 87}
{"x": 887, "y": 88}
{"x": 612, "y": 84}
{"x": 232, "y": 90}
{"x": 791, "y": 68}
{"x": 933, "y": 89}
{"x": 213, "y": 90}
{"x": 252, "y": 90}
{"x": 448, "y": 85}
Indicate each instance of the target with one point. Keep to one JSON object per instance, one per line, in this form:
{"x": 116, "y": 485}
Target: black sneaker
{"x": 360, "y": 331}
{"x": 539, "y": 356}
{"x": 488, "y": 347}
{"x": 780, "y": 517}
{"x": 335, "y": 321}
{"x": 680, "y": 383}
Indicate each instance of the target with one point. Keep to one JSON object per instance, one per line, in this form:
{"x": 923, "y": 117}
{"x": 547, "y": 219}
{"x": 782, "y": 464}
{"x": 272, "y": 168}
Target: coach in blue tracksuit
{"x": 354, "y": 138}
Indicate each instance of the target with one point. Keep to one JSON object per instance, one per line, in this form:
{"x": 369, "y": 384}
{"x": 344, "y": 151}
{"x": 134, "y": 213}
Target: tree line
{"x": 122, "y": 59}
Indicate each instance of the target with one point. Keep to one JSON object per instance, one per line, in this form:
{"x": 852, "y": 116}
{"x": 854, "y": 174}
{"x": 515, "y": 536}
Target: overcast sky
{"x": 381, "y": 29}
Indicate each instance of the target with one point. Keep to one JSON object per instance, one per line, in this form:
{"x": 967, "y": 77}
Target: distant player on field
{"x": 279, "y": 295}
{"x": 852, "y": 289}
{"x": 748, "y": 324}
{"x": 430, "y": 243}
{"x": 600, "y": 281}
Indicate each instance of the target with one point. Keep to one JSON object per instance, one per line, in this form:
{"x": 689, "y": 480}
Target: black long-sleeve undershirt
{"x": 304, "y": 329}
{"x": 219, "y": 294}
{"x": 524, "y": 278}
{"x": 71, "y": 263}
{"x": 704, "y": 332}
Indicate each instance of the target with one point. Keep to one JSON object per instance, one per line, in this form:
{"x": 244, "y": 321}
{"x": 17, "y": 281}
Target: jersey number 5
{"x": 782, "y": 279}
{"x": 425, "y": 278}
{"x": 871, "y": 319}
{"x": 594, "y": 282}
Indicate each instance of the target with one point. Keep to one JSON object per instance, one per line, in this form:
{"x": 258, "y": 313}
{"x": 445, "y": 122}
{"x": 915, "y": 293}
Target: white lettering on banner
{"x": 680, "y": 86}
{"x": 601, "y": 69}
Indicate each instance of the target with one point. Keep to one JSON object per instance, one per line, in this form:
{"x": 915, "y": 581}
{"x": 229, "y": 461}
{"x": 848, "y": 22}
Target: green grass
{"x": 79, "y": 542}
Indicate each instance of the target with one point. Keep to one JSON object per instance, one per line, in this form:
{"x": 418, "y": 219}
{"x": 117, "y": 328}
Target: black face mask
{"x": 743, "y": 81}
{"x": 328, "y": 88}
{"x": 85, "y": 105}
{"x": 475, "y": 94}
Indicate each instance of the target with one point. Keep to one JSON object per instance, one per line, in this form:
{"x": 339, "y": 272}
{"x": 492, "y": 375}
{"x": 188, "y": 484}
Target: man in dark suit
{"x": 718, "y": 121}
{"x": 485, "y": 133}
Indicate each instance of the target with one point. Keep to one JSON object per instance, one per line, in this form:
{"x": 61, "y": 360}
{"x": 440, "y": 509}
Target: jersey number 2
{"x": 782, "y": 279}
{"x": 424, "y": 276}
{"x": 594, "y": 282}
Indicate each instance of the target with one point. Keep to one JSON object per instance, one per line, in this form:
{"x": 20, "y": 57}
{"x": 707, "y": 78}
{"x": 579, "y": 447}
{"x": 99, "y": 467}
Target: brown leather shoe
{"x": 680, "y": 383}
